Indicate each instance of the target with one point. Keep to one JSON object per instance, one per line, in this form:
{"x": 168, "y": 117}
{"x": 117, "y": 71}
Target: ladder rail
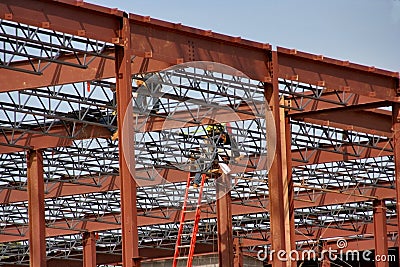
{"x": 195, "y": 228}
{"x": 196, "y": 223}
{"x": 182, "y": 219}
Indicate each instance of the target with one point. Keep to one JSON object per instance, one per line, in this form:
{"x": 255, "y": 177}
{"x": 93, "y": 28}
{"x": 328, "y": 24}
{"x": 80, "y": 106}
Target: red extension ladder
{"x": 186, "y": 252}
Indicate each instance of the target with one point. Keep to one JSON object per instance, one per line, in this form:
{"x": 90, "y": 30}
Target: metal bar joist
{"x": 338, "y": 75}
{"x": 42, "y": 47}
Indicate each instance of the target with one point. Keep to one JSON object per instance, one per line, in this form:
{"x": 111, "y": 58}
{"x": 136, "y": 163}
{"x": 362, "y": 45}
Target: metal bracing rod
{"x": 66, "y": 165}
{"x": 59, "y": 105}
{"x": 70, "y": 103}
{"x": 308, "y": 139}
{"x": 157, "y": 147}
{"x": 48, "y": 37}
{"x": 313, "y": 188}
{"x": 248, "y": 226}
{"x": 323, "y": 137}
{"x": 364, "y": 173}
{"x": 56, "y": 42}
{"x": 150, "y": 208}
{"x": 302, "y": 96}
{"x": 42, "y": 47}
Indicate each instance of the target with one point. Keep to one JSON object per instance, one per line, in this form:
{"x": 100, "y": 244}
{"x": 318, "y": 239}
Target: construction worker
{"x": 148, "y": 88}
{"x": 219, "y": 139}
{"x": 149, "y": 84}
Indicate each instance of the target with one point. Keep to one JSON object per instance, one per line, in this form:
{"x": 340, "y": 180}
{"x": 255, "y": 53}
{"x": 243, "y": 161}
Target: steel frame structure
{"x": 64, "y": 67}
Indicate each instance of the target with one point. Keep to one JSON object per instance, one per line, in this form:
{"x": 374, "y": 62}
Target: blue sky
{"x": 361, "y": 31}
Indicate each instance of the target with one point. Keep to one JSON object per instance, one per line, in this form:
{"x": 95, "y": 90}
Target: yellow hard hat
{"x": 209, "y": 128}
{"x": 139, "y": 82}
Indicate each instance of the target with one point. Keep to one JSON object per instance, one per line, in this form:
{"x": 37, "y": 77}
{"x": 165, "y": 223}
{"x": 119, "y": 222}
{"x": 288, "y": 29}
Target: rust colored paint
{"x": 380, "y": 232}
{"x": 37, "y": 226}
{"x": 396, "y": 138}
{"x": 56, "y": 138}
{"x": 109, "y": 223}
{"x": 130, "y": 252}
{"x": 238, "y": 257}
{"x": 356, "y": 120}
{"x": 337, "y": 75}
{"x": 89, "y": 249}
{"x": 224, "y": 224}
{"x": 174, "y": 43}
{"x": 278, "y": 211}
{"x": 66, "y": 16}
{"x": 56, "y": 74}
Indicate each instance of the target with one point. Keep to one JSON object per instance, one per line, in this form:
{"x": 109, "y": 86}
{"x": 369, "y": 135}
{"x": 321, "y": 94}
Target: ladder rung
{"x": 186, "y": 211}
{"x": 186, "y": 234}
{"x": 188, "y": 222}
{"x": 183, "y": 258}
{"x": 184, "y": 246}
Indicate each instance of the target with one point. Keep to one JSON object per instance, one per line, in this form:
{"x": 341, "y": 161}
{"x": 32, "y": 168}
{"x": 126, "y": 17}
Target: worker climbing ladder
{"x": 185, "y": 253}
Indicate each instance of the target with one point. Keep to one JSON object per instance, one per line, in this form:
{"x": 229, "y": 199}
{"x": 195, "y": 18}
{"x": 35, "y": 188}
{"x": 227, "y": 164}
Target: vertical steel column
{"x": 238, "y": 257}
{"x": 224, "y": 222}
{"x": 326, "y": 262}
{"x": 130, "y": 251}
{"x": 380, "y": 233}
{"x": 89, "y": 249}
{"x": 396, "y": 151}
{"x": 291, "y": 240}
{"x": 280, "y": 217}
{"x": 37, "y": 226}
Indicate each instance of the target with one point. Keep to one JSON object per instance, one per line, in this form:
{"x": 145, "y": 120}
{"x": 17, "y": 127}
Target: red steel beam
{"x": 326, "y": 262}
{"x": 151, "y": 254}
{"x": 306, "y": 198}
{"x": 377, "y": 122}
{"x": 108, "y": 183}
{"x": 396, "y": 150}
{"x": 153, "y": 39}
{"x": 110, "y": 221}
{"x": 130, "y": 242}
{"x": 56, "y": 74}
{"x": 224, "y": 224}
{"x": 289, "y": 186}
{"x": 329, "y": 101}
{"x": 68, "y": 16}
{"x": 338, "y": 75}
{"x": 56, "y": 138}
{"x": 277, "y": 176}
{"x": 364, "y": 229}
{"x": 238, "y": 255}
{"x": 89, "y": 249}
{"x": 175, "y": 43}
{"x": 37, "y": 226}
{"x": 380, "y": 232}
{"x": 320, "y": 156}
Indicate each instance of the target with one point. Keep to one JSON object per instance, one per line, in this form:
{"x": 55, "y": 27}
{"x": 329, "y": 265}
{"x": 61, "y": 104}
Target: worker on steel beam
{"x": 147, "y": 100}
{"x": 219, "y": 139}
